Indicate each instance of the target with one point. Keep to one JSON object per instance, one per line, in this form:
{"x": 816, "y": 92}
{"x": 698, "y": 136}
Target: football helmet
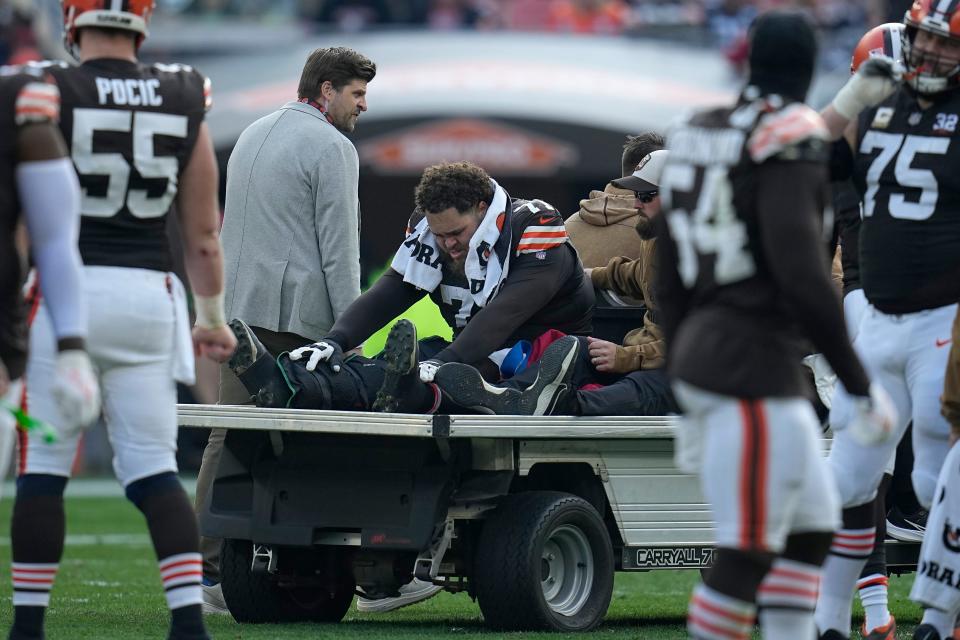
{"x": 882, "y": 40}
{"x": 930, "y": 69}
{"x": 131, "y": 15}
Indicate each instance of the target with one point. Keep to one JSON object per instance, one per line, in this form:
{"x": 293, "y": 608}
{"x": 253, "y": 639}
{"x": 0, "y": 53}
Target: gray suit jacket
{"x": 291, "y": 224}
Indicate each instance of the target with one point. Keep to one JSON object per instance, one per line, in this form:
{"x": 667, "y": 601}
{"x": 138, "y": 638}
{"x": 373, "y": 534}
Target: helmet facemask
{"x": 930, "y": 68}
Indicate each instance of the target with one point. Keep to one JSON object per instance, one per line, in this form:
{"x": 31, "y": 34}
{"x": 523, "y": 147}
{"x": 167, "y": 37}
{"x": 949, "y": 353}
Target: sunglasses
{"x": 646, "y": 197}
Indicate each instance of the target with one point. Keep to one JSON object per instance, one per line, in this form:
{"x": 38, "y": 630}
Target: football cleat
{"x": 906, "y": 527}
{"x": 927, "y": 632}
{"x": 464, "y": 385}
{"x": 400, "y": 354}
{"x": 411, "y": 593}
{"x": 886, "y": 632}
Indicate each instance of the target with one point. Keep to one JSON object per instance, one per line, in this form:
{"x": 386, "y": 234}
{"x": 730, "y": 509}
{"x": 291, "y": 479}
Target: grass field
{"x": 109, "y": 588}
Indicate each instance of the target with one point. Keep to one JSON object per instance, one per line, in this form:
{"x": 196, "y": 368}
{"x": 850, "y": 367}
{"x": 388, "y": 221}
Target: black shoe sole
{"x": 465, "y": 386}
{"x": 248, "y": 347}
{"x": 400, "y": 354}
{"x": 553, "y": 378}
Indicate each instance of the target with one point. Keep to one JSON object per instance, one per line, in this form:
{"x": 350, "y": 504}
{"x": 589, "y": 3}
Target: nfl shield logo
{"x": 541, "y": 255}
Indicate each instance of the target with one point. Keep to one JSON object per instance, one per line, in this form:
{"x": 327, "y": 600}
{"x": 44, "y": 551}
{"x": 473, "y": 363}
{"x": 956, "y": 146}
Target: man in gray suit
{"x": 290, "y": 233}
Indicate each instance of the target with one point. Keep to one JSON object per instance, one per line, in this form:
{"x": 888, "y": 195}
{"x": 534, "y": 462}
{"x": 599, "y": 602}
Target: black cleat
{"x": 464, "y": 385}
{"x": 249, "y": 347}
{"x": 257, "y": 368}
{"x": 400, "y": 354}
{"x": 833, "y": 634}
{"x": 906, "y": 527}
{"x": 927, "y": 632}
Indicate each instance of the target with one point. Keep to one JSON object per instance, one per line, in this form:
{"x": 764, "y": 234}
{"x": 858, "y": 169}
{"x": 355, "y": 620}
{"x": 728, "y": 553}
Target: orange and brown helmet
{"x": 131, "y": 15}
{"x": 925, "y": 72}
{"x": 882, "y": 40}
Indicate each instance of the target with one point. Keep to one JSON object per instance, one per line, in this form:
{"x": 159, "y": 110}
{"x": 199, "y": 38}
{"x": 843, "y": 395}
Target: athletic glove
{"x": 76, "y": 390}
{"x": 823, "y": 377}
{"x": 874, "y": 417}
{"x": 873, "y": 82}
{"x": 323, "y": 351}
{"x": 428, "y": 370}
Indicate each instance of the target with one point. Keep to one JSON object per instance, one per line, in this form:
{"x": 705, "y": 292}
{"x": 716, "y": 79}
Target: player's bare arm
{"x": 203, "y": 256}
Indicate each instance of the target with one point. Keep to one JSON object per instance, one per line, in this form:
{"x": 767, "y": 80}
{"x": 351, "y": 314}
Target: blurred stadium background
{"x": 539, "y": 92}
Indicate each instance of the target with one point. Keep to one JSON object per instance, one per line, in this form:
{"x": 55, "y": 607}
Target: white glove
{"x": 823, "y": 377}
{"x": 874, "y": 417}
{"x": 76, "y": 390}
{"x": 873, "y": 82}
{"x": 323, "y": 351}
{"x": 428, "y": 370}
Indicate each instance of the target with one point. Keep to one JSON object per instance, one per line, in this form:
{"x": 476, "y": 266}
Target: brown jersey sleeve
{"x": 788, "y": 196}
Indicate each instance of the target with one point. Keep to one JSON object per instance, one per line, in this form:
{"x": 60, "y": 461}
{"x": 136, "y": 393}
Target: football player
{"x": 139, "y": 143}
{"x": 37, "y": 180}
{"x": 744, "y": 277}
{"x": 902, "y": 149}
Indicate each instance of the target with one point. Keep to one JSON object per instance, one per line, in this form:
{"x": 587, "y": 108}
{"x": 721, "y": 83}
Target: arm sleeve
{"x": 529, "y": 286}
{"x": 621, "y": 275}
{"x": 50, "y": 199}
{"x": 337, "y": 224}
{"x": 787, "y": 197}
{"x": 951, "y": 383}
{"x": 386, "y": 299}
{"x": 672, "y": 297}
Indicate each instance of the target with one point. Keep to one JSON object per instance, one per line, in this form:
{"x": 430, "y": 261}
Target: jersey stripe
{"x": 37, "y": 102}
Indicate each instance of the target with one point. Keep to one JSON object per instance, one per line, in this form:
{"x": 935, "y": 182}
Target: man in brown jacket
{"x": 606, "y": 378}
{"x": 603, "y": 226}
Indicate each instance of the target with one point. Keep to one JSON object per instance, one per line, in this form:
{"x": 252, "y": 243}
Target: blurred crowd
{"x": 716, "y": 23}
{"x": 723, "y": 19}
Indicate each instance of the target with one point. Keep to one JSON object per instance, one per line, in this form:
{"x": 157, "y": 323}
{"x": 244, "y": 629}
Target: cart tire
{"x": 544, "y": 562}
{"x": 258, "y": 598}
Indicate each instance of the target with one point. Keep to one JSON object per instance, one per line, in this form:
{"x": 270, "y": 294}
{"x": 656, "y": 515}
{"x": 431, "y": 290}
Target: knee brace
{"x": 30, "y": 485}
{"x": 349, "y": 390}
{"x": 737, "y": 573}
{"x": 809, "y": 548}
{"x": 143, "y": 489}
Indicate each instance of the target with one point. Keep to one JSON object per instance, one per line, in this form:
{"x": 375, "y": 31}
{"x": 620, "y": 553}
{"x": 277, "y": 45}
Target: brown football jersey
{"x": 744, "y": 279}
{"x": 131, "y": 128}
{"x": 27, "y": 96}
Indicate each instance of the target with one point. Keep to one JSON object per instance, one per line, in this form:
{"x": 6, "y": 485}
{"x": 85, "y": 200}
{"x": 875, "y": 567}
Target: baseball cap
{"x": 647, "y": 175}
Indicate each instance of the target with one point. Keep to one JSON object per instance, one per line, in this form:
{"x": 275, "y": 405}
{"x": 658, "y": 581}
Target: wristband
{"x": 209, "y": 311}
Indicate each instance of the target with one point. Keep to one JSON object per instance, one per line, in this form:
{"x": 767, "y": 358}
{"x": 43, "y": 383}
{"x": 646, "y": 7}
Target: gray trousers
{"x": 232, "y": 391}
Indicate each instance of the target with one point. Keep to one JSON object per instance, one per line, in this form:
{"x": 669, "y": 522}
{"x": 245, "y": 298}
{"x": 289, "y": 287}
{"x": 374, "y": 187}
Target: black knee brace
{"x": 352, "y": 389}
{"x": 737, "y": 573}
{"x": 808, "y": 548}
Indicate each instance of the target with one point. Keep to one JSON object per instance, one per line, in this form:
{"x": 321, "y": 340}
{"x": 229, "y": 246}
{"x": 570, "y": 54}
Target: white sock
{"x": 715, "y": 616}
{"x": 786, "y": 599}
{"x": 873, "y": 596}
{"x": 940, "y": 620}
{"x": 181, "y": 575}
{"x": 848, "y": 555}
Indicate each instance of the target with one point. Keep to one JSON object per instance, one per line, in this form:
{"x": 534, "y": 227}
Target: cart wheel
{"x": 544, "y": 561}
{"x": 258, "y": 598}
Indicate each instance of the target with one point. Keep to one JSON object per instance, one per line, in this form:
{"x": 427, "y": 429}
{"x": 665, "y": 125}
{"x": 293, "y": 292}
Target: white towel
{"x": 183, "y": 362}
{"x": 491, "y": 271}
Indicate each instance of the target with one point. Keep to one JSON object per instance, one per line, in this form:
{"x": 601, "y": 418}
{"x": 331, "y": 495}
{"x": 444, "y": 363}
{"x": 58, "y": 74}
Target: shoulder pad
{"x": 537, "y": 225}
{"x": 193, "y": 75}
{"x": 414, "y": 220}
{"x": 37, "y": 101}
{"x": 38, "y": 69}
{"x": 791, "y": 133}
